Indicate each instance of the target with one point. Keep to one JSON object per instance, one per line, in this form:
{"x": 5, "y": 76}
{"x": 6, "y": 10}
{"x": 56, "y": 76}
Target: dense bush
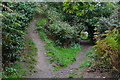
{"x": 63, "y": 33}
{"x": 24, "y": 8}
{"x": 108, "y": 40}
{"x": 13, "y": 26}
{"x": 85, "y": 22}
{"x": 107, "y": 23}
{"x": 78, "y": 8}
{"x": 53, "y": 15}
{"x": 108, "y": 50}
{"x": 59, "y": 29}
{"x": 89, "y": 17}
{"x": 11, "y": 35}
{"x": 61, "y": 56}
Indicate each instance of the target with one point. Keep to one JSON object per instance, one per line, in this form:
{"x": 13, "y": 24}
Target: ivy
{"x": 14, "y": 25}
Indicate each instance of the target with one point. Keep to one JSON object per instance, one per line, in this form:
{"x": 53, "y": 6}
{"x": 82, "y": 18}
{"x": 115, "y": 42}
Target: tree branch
{"x": 7, "y": 8}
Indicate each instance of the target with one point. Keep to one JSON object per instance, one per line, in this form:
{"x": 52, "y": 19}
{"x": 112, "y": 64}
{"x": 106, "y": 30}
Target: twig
{"x": 7, "y": 8}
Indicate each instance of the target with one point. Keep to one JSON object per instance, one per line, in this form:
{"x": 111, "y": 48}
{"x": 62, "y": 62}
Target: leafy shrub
{"x": 108, "y": 50}
{"x": 64, "y": 28}
{"x": 13, "y": 28}
{"x": 61, "y": 56}
{"x": 90, "y": 17}
{"x": 12, "y": 33}
{"x": 105, "y": 24}
{"x": 26, "y": 8}
{"x": 63, "y": 33}
{"x": 78, "y": 8}
{"x": 108, "y": 40}
{"x": 53, "y": 15}
{"x": 12, "y": 72}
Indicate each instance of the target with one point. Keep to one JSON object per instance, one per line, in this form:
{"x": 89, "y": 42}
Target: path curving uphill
{"x": 45, "y": 69}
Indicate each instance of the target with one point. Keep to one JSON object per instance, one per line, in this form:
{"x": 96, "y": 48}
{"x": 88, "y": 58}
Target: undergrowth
{"x": 20, "y": 68}
{"x": 61, "y": 56}
{"x": 89, "y": 59}
{"x": 87, "y": 62}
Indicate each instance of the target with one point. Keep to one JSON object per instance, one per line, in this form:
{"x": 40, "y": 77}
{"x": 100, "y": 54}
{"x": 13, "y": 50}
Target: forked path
{"x": 44, "y": 67}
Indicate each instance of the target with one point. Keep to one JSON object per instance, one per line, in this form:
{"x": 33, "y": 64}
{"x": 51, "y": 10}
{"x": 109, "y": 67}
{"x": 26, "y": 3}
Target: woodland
{"x": 60, "y": 39}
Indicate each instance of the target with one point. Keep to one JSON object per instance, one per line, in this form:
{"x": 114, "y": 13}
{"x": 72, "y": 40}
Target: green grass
{"x": 81, "y": 76}
{"x": 15, "y": 71}
{"x": 88, "y": 61}
{"x": 31, "y": 67}
{"x": 72, "y": 75}
{"x": 31, "y": 52}
{"x": 56, "y": 67}
{"x": 41, "y": 22}
{"x": 83, "y": 36}
{"x": 40, "y": 10}
{"x": 61, "y": 56}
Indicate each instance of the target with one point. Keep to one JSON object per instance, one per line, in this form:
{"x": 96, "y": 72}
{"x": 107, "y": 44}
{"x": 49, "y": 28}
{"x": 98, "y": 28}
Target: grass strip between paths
{"x": 59, "y": 55}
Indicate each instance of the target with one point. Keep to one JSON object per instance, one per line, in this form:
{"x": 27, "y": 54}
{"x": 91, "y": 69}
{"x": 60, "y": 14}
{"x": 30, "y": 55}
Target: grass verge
{"x": 59, "y": 55}
{"x": 87, "y": 62}
{"x": 89, "y": 59}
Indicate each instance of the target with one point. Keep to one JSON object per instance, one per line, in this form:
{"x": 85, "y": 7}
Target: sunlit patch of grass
{"x": 72, "y": 75}
{"x": 56, "y": 67}
{"x": 84, "y": 35}
{"x": 88, "y": 60}
{"x": 63, "y": 56}
{"x": 41, "y": 22}
{"x": 59, "y": 55}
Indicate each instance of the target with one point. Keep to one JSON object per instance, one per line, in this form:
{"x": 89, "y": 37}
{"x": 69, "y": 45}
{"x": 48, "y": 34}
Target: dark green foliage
{"x": 53, "y": 15}
{"x": 11, "y": 72}
{"x": 11, "y": 35}
{"x": 63, "y": 33}
{"x": 109, "y": 23}
{"x": 86, "y": 22}
{"x": 13, "y": 28}
{"x": 20, "y": 67}
{"x": 26, "y": 8}
{"x": 90, "y": 17}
